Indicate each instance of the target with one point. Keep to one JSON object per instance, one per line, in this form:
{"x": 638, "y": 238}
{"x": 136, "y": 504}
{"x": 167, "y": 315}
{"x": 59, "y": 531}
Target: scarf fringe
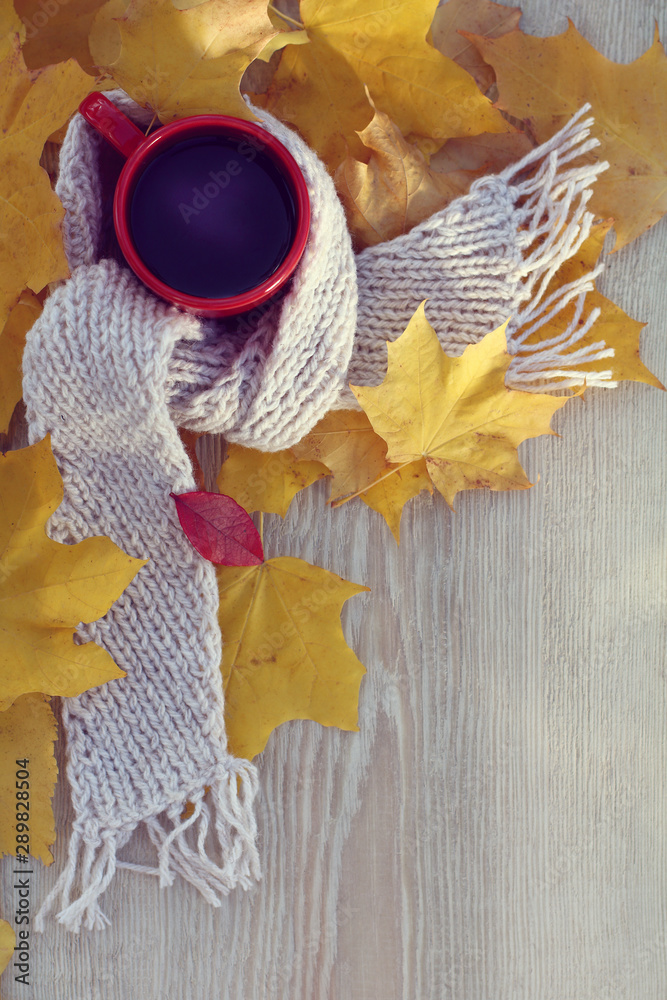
{"x": 226, "y": 813}
{"x": 553, "y": 201}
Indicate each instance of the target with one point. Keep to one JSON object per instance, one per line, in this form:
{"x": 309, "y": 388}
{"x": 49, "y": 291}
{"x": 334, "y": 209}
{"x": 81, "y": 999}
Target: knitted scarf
{"x": 111, "y": 371}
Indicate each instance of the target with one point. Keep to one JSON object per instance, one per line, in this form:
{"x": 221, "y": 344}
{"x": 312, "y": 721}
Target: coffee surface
{"x": 212, "y": 216}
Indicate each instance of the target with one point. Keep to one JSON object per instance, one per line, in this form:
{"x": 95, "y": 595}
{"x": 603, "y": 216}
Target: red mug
{"x": 211, "y": 212}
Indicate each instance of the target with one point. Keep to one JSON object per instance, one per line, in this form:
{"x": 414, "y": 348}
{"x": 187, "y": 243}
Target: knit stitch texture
{"x": 489, "y": 257}
{"x": 110, "y": 372}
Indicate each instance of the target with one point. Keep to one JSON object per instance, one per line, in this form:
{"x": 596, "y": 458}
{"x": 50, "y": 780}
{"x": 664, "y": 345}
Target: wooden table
{"x": 498, "y": 828}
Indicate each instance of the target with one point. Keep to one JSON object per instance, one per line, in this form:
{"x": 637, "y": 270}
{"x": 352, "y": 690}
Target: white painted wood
{"x": 497, "y": 830}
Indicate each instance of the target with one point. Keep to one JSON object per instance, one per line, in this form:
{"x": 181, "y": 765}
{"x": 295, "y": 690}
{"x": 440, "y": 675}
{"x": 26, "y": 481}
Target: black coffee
{"x": 212, "y": 216}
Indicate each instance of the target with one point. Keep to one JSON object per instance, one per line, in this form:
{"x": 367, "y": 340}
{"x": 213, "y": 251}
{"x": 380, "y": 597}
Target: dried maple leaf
{"x": 57, "y": 30}
{"x": 32, "y": 106}
{"x": 488, "y": 154}
{"x": 456, "y": 413}
{"x": 104, "y": 39}
{"x": 613, "y": 327}
{"x": 12, "y": 341}
{"x": 391, "y": 491}
{"x": 545, "y": 80}
{"x": 10, "y": 26}
{"x": 47, "y": 589}
{"x": 7, "y": 944}
{"x": 316, "y": 90}
{"x": 383, "y": 44}
{"x": 28, "y": 729}
{"x": 345, "y": 442}
{"x": 396, "y": 189}
{"x": 186, "y": 62}
{"x": 284, "y": 652}
{"x": 266, "y": 481}
{"x": 480, "y": 17}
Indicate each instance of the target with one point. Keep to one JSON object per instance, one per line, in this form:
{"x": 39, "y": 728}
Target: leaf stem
{"x": 285, "y": 17}
{"x": 396, "y": 468}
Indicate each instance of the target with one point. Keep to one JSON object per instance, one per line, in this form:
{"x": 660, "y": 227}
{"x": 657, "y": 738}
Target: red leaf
{"x": 219, "y": 528}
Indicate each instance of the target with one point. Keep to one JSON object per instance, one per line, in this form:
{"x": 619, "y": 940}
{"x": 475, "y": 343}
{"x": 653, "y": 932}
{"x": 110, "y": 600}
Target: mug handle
{"x": 111, "y": 123}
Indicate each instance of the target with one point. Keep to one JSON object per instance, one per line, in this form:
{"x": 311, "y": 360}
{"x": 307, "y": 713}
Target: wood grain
{"x": 497, "y": 830}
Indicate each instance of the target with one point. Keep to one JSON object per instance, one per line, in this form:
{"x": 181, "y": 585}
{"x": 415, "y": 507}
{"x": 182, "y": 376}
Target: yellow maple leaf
{"x": 480, "y": 17}
{"x": 104, "y": 40}
{"x": 284, "y": 652}
{"x": 345, "y": 442}
{"x": 391, "y": 491}
{"x": 12, "y": 341}
{"x": 47, "y": 589}
{"x": 487, "y": 154}
{"x": 10, "y": 26}
{"x": 545, "y": 80}
{"x": 383, "y": 44}
{"x": 613, "y": 327}
{"x": 7, "y": 944}
{"x": 28, "y": 730}
{"x": 316, "y": 90}
{"x": 456, "y": 413}
{"x": 57, "y": 30}
{"x": 32, "y": 106}
{"x": 266, "y": 481}
{"x": 396, "y": 189}
{"x": 186, "y": 62}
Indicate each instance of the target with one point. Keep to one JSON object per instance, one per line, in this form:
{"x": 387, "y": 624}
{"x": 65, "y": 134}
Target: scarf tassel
{"x": 552, "y": 202}
{"x": 224, "y": 815}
